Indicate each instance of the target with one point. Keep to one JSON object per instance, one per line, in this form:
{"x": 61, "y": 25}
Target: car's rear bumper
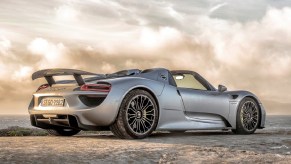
{"x": 74, "y": 113}
{"x": 83, "y": 119}
{"x": 62, "y": 121}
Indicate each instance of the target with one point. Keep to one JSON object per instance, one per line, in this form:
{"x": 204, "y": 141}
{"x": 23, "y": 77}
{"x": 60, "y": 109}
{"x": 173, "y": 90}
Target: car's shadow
{"x": 257, "y": 142}
{"x": 160, "y": 135}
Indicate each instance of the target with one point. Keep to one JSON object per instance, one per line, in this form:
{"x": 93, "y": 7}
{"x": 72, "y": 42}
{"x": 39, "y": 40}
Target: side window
{"x": 188, "y": 81}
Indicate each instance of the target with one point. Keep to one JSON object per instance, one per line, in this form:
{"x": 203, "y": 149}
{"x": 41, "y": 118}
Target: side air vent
{"x": 91, "y": 101}
{"x": 234, "y": 96}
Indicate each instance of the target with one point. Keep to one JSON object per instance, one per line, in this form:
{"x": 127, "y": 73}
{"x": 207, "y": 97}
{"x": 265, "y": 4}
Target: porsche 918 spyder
{"x": 134, "y": 103}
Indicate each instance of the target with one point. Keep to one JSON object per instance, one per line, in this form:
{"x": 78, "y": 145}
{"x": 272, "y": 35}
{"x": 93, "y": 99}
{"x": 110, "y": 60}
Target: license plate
{"x": 58, "y": 102}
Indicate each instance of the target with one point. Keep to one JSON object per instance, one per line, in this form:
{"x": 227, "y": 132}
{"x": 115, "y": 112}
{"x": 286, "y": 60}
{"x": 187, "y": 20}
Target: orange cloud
{"x": 252, "y": 55}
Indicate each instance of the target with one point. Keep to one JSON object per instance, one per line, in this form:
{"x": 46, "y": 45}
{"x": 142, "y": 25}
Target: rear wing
{"x": 49, "y": 73}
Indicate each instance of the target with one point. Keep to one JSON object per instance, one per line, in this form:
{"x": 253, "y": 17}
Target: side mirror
{"x": 221, "y": 88}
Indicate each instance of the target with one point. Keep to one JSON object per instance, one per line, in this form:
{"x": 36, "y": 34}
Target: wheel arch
{"x": 150, "y": 92}
{"x": 254, "y": 98}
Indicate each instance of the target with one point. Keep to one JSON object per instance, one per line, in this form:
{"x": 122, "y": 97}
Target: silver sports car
{"x": 134, "y": 103}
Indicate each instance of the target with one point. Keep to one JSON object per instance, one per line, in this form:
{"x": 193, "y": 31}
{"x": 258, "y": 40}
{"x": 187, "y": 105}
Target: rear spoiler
{"x": 49, "y": 73}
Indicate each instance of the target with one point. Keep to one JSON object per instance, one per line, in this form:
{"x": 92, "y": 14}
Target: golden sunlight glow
{"x": 66, "y": 13}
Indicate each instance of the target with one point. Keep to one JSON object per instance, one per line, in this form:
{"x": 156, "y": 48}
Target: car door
{"x": 201, "y": 100}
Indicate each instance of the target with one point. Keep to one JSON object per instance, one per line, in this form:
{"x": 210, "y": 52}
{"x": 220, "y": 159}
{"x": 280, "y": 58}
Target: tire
{"x": 138, "y": 116}
{"x": 248, "y": 117}
{"x": 63, "y": 132}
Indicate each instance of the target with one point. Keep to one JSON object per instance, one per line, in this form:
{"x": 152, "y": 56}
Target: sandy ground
{"x": 265, "y": 146}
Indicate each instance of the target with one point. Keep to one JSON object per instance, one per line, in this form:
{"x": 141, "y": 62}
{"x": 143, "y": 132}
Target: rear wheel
{"x": 248, "y": 117}
{"x": 63, "y": 132}
{"x": 138, "y": 116}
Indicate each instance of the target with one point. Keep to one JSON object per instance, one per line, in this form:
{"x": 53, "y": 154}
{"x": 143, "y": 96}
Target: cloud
{"x": 66, "y": 13}
{"x": 150, "y": 38}
{"x": 22, "y": 74}
{"x": 174, "y": 13}
{"x": 51, "y": 54}
{"x": 252, "y": 55}
{"x": 216, "y": 7}
{"x": 5, "y": 45}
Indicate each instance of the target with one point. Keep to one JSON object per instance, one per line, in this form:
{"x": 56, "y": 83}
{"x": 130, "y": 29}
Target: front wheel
{"x": 63, "y": 132}
{"x": 248, "y": 117}
{"x": 138, "y": 116}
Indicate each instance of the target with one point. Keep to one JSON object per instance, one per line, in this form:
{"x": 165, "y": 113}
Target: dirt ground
{"x": 265, "y": 146}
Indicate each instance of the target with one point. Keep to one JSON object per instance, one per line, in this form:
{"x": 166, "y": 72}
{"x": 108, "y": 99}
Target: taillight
{"x": 44, "y": 86}
{"x": 96, "y": 87}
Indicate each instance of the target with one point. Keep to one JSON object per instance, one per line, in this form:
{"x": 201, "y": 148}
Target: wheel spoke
{"x": 143, "y": 125}
{"x": 138, "y": 99}
{"x": 130, "y": 117}
{"x": 143, "y": 122}
{"x": 246, "y": 125}
{"x": 142, "y": 103}
{"x": 134, "y": 121}
{"x": 144, "y": 107}
{"x": 139, "y": 128}
{"x": 133, "y": 110}
{"x": 133, "y": 105}
{"x": 150, "y": 114}
{"x": 147, "y": 121}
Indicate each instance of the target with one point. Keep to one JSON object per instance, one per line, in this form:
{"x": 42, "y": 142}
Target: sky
{"x": 244, "y": 45}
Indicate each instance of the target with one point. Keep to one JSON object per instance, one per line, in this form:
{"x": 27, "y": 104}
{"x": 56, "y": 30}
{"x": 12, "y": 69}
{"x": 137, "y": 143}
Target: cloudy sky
{"x": 241, "y": 44}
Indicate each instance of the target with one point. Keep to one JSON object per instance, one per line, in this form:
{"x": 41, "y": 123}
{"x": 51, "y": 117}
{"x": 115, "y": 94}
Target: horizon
{"x": 26, "y": 114}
